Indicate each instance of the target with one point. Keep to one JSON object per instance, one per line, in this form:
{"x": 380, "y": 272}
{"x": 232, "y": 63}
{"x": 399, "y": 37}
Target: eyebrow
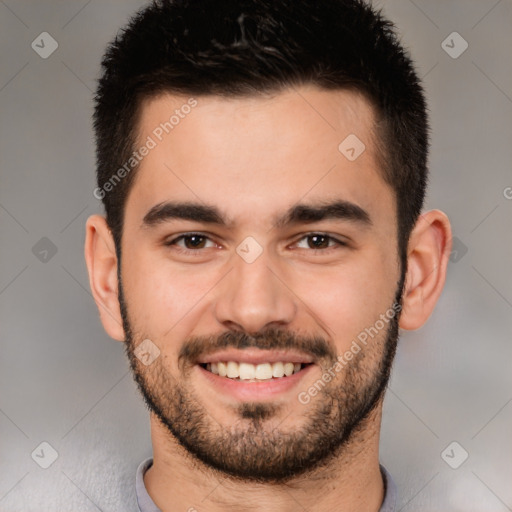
{"x": 297, "y": 214}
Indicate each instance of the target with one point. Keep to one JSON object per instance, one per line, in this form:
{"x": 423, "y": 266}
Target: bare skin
{"x": 254, "y": 158}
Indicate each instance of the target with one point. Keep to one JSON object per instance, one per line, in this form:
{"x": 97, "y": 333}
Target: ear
{"x": 101, "y": 259}
{"x": 427, "y": 260}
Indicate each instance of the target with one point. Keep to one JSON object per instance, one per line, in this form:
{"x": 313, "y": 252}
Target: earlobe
{"x": 427, "y": 261}
{"x": 101, "y": 260}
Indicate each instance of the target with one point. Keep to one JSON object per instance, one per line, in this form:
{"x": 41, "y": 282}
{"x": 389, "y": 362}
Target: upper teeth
{"x": 247, "y": 371}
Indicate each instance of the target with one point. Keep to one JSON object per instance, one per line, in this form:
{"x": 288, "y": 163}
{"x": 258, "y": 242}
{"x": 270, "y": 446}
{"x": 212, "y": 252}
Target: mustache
{"x": 270, "y": 339}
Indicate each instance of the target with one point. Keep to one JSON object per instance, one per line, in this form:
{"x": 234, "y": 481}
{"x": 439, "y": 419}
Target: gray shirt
{"x": 146, "y": 504}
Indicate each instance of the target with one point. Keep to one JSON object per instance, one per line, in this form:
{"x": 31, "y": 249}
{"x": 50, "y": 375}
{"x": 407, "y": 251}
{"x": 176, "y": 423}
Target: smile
{"x": 253, "y": 372}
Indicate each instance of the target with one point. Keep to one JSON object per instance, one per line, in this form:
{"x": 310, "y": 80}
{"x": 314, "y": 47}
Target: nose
{"x": 254, "y": 297}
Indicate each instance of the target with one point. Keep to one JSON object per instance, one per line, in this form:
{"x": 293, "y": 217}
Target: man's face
{"x": 304, "y": 288}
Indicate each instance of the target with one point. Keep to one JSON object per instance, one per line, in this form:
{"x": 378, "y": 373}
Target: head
{"x": 247, "y": 49}
{"x": 265, "y": 124}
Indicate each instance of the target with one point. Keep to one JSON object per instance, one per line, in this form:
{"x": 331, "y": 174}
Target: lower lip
{"x": 245, "y": 391}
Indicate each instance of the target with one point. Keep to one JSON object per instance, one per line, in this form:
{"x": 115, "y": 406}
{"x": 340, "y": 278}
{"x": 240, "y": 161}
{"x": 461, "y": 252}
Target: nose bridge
{"x": 253, "y": 296}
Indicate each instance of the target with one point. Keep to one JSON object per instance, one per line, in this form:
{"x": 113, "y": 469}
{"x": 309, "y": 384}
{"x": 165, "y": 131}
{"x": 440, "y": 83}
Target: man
{"x": 263, "y": 167}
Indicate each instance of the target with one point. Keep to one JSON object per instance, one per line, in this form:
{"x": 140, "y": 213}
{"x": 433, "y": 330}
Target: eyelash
{"x": 196, "y": 252}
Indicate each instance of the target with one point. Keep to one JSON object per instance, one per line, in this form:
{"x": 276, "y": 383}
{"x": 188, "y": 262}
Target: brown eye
{"x": 318, "y": 241}
{"x": 194, "y": 241}
{"x": 321, "y": 241}
{"x": 191, "y": 242}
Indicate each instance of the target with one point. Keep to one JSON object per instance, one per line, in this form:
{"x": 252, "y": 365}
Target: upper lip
{"x": 256, "y": 356}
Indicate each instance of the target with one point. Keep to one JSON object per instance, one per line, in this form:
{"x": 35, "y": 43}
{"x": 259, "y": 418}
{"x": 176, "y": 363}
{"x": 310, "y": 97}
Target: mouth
{"x": 248, "y": 372}
{"x": 253, "y": 374}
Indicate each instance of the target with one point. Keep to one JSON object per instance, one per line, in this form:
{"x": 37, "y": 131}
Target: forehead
{"x": 317, "y": 110}
{"x": 259, "y": 150}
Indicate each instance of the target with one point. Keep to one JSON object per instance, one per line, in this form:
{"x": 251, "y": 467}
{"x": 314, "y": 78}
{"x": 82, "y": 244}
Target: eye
{"x": 192, "y": 242}
{"x": 320, "y": 241}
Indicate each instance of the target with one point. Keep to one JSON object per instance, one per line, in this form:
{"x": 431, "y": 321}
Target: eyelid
{"x": 187, "y": 235}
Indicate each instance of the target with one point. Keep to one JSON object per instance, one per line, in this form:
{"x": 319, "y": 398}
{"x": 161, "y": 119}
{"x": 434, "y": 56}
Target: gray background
{"x": 64, "y": 382}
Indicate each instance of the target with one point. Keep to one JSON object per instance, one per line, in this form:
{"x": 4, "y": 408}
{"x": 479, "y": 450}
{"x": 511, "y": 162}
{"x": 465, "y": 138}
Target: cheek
{"x": 163, "y": 297}
{"x": 350, "y": 299}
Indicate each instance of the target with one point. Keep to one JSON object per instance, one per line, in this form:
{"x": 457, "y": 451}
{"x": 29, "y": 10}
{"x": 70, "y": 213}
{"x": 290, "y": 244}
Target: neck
{"x": 350, "y": 481}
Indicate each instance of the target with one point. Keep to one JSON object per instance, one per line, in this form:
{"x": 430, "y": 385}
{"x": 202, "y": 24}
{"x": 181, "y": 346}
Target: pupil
{"x": 197, "y": 239}
{"x": 315, "y": 239}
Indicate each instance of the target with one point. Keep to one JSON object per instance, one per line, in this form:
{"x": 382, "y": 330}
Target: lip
{"x": 256, "y": 356}
{"x": 251, "y": 391}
